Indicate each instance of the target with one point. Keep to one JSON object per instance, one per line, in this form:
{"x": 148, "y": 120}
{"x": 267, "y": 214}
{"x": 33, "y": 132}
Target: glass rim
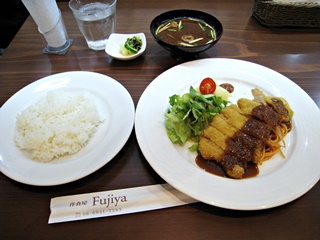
{"x": 90, "y": 2}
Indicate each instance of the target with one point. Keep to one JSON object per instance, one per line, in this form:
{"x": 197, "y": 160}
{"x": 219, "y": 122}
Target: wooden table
{"x": 24, "y": 210}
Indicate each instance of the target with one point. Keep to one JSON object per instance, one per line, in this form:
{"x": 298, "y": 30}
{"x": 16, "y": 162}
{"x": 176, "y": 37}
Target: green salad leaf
{"x": 189, "y": 114}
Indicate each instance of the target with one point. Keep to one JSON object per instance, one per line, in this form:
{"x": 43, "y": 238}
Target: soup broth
{"x": 188, "y": 32}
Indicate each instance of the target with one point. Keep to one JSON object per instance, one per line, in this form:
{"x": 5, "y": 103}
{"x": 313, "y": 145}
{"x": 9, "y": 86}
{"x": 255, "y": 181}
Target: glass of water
{"x": 96, "y": 20}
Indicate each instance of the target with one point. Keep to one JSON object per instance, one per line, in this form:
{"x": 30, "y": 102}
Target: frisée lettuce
{"x": 189, "y": 114}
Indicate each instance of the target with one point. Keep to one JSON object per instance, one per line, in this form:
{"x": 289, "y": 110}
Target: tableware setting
{"x": 227, "y": 193}
{"x": 277, "y": 182}
{"x": 162, "y": 120}
{"x": 113, "y": 47}
{"x": 109, "y": 139}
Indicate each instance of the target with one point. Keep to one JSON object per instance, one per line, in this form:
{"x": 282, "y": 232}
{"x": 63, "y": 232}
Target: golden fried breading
{"x": 215, "y": 136}
{"x": 210, "y": 151}
{"x": 221, "y": 124}
{"x": 247, "y": 105}
{"x": 233, "y": 117}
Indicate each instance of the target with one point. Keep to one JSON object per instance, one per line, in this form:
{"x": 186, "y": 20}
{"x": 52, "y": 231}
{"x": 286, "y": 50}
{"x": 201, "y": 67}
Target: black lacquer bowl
{"x": 178, "y": 50}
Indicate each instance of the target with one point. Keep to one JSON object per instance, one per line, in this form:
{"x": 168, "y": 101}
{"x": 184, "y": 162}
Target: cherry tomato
{"x": 207, "y": 86}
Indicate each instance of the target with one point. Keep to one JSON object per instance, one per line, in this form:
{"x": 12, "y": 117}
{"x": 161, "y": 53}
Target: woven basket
{"x": 287, "y": 14}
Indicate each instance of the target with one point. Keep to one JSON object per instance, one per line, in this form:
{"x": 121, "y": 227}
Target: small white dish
{"x": 115, "y": 41}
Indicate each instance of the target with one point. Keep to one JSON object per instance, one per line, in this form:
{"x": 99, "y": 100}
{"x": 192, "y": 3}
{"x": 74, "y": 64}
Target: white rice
{"x": 59, "y": 124}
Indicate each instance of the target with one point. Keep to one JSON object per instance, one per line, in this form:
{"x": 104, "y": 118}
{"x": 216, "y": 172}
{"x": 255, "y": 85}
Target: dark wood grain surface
{"x": 24, "y": 210}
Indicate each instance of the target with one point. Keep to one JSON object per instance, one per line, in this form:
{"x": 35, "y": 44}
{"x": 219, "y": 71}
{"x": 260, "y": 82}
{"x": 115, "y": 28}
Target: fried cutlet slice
{"x": 247, "y": 105}
{"x": 262, "y": 112}
{"x": 233, "y": 167}
{"x": 279, "y": 105}
{"x": 210, "y": 151}
{"x": 215, "y": 136}
{"x": 221, "y": 124}
{"x": 233, "y": 117}
{"x": 247, "y": 124}
{"x": 256, "y": 145}
{"x": 248, "y": 141}
{"x": 281, "y": 109}
{"x": 227, "y": 144}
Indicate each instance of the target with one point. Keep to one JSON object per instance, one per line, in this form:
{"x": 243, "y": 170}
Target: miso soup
{"x": 185, "y": 31}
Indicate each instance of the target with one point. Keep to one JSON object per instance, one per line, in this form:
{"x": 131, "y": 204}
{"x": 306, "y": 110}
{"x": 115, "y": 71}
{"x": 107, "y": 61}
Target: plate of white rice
{"x": 64, "y": 127}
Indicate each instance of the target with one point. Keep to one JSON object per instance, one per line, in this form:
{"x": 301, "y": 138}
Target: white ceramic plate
{"x": 116, "y": 39}
{"x": 279, "y": 181}
{"x": 113, "y": 102}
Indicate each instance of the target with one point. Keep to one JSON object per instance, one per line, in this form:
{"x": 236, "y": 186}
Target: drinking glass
{"x": 96, "y": 20}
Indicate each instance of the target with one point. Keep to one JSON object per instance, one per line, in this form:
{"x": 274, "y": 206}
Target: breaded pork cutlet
{"x": 233, "y": 139}
{"x": 244, "y": 139}
{"x": 247, "y": 132}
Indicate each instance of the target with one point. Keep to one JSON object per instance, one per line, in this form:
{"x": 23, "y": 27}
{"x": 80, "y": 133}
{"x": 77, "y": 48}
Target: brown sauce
{"x": 267, "y": 114}
{"x": 215, "y": 168}
{"x": 228, "y": 87}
